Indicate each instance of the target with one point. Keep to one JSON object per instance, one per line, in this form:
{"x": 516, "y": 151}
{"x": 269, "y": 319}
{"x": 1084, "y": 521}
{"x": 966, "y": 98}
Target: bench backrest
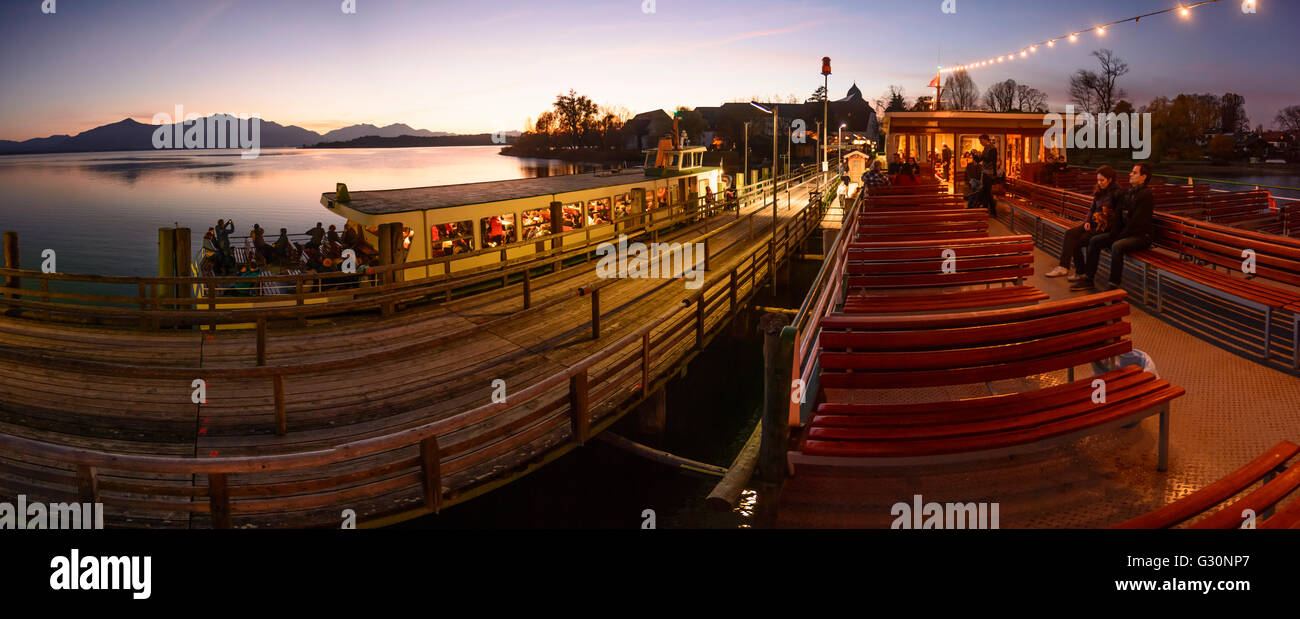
{"x": 1276, "y": 258}
{"x": 904, "y": 225}
{"x": 921, "y": 264}
{"x": 879, "y": 352}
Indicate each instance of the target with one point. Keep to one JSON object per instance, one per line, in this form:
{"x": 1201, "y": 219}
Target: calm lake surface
{"x": 101, "y": 211}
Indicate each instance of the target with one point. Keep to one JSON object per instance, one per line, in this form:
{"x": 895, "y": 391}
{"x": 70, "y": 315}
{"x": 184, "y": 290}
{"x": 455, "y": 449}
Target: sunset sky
{"x": 472, "y": 67}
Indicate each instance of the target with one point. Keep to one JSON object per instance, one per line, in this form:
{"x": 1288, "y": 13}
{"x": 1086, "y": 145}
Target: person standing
{"x": 1102, "y": 218}
{"x": 988, "y": 175}
{"x": 1134, "y": 234}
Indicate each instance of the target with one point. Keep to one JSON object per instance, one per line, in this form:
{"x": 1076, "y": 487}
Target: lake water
{"x": 101, "y": 211}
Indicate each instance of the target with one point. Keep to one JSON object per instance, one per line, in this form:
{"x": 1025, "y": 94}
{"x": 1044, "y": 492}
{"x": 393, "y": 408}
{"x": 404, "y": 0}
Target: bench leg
{"x": 1162, "y": 462}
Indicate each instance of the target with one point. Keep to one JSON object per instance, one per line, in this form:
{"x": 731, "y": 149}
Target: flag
{"x": 934, "y": 83}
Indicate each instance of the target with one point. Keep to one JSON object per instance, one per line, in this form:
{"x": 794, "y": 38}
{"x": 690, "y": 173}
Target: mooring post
{"x": 595, "y": 314}
{"x": 11, "y": 262}
{"x": 778, "y": 358}
{"x": 652, "y": 414}
{"x": 528, "y": 288}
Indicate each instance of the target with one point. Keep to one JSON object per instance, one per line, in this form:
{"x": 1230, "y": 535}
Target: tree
{"x": 923, "y": 104}
{"x": 692, "y": 122}
{"x": 1182, "y": 126}
{"x": 1288, "y": 119}
{"x": 1233, "y": 111}
{"x": 1030, "y": 99}
{"x": 818, "y": 95}
{"x": 894, "y": 100}
{"x": 1098, "y": 92}
{"x": 1222, "y": 147}
{"x": 575, "y": 115}
{"x": 1001, "y": 97}
{"x": 960, "y": 92}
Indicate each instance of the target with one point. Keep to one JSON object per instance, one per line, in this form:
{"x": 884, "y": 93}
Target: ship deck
{"x": 1234, "y": 409}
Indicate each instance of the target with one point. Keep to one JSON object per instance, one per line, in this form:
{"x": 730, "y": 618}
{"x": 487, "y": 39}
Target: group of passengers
{"x": 1117, "y": 219}
{"x": 322, "y": 250}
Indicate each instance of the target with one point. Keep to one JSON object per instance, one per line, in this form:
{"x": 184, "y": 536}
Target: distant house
{"x": 712, "y": 118}
{"x": 853, "y": 111}
{"x": 643, "y": 131}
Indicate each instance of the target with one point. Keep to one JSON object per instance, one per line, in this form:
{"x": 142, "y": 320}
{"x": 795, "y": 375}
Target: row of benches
{"x": 1252, "y": 210}
{"x": 868, "y": 344}
{"x": 1193, "y": 275}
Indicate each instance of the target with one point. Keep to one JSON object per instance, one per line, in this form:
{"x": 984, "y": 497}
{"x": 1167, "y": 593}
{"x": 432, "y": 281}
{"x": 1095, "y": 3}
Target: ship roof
{"x": 389, "y": 201}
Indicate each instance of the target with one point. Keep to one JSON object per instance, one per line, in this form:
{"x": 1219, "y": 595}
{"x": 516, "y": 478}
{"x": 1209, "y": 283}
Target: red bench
{"x": 919, "y": 264}
{"x": 884, "y": 352}
{"x": 894, "y": 226}
{"x": 1279, "y": 481}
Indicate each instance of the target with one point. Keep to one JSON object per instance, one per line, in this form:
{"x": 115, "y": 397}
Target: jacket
{"x": 1139, "y": 210}
{"x": 1104, "y": 213}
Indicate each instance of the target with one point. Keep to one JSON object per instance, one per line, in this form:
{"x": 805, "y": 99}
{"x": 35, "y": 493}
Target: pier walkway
{"x": 389, "y": 416}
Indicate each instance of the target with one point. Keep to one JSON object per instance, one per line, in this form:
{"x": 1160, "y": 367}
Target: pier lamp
{"x": 774, "y": 112}
{"x": 826, "y": 103}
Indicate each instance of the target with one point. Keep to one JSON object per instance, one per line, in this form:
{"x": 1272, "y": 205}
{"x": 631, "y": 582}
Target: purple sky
{"x": 476, "y": 67}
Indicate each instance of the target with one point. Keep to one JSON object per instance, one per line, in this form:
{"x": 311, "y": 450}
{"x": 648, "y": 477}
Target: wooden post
{"x": 431, "y": 469}
{"x": 778, "y": 356}
{"x": 595, "y": 314}
{"x": 645, "y": 364}
{"x": 219, "y": 500}
{"x": 183, "y": 262}
{"x": 87, "y": 484}
{"x": 528, "y": 288}
{"x": 578, "y": 404}
{"x": 652, "y": 414}
{"x": 706, "y": 254}
{"x": 280, "y": 416}
{"x": 733, "y": 290}
{"x": 557, "y": 225}
{"x": 261, "y": 340}
{"x": 143, "y": 292}
{"x": 166, "y": 262}
{"x": 11, "y": 262}
{"x": 699, "y": 321}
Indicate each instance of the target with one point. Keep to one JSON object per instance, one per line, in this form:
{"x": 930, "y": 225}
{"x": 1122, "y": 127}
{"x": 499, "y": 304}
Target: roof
{"x": 391, "y": 201}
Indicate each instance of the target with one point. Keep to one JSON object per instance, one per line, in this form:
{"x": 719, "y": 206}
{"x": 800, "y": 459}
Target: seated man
{"x": 1138, "y": 211}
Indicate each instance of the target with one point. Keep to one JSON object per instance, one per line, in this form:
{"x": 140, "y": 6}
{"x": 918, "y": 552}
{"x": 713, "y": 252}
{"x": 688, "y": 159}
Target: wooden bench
{"x": 921, "y": 225}
{"x": 889, "y": 352}
{"x": 1179, "y": 278}
{"x": 1279, "y": 481}
{"x": 914, "y": 203}
{"x": 919, "y": 264}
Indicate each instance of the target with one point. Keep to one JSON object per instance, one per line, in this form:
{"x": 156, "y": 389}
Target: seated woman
{"x": 874, "y": 177}
{"x": 1102, "y": 218}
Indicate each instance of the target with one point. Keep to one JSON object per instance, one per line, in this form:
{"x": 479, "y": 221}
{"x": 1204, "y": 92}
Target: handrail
{"x": 221, "y": 465}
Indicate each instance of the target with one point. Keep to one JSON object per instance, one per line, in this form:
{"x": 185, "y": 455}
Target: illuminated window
{"x": 451, "y": 238}
{"x": 498, "y": 230}
{"x": 598, "y": 212}
{"x": 573, "y": 217}
{"x": 536, "y": 223}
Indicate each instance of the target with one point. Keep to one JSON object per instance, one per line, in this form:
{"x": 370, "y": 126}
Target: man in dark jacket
{"x": 988, "y": 175}
{"x": 1134, "y": 234}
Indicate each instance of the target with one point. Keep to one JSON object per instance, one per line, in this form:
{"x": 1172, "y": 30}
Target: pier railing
{"x": 155, "y": 304}
{"x": 412, "y": 471}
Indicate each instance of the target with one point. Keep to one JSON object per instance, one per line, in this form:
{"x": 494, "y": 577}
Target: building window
{"x": 598, "y": 212}
{"x": 536, "y": 223}
{"x": 498, "y": 230}
{"x": 446, "y": 239}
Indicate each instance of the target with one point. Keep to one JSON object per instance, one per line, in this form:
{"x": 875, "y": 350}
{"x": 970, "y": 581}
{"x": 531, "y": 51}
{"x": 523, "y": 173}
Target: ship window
{"x": 536, "y": 223}
{"x": 498, "y": 230}
{"x": 598, "y": 212}
{"x": 573, "y": 218}
{"x": 673, "y": 161}
{"x": 622, "y": 205}
{"x": 446, "y": 239}
{"x": 650, "y": 159}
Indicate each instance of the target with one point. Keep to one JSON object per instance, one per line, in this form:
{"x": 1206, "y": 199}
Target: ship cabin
{"x": 923, "y": 135}
{"x": 477, "y": 225}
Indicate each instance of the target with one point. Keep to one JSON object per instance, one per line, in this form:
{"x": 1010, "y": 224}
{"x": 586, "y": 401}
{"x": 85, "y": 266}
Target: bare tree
{"x": 960, "y": 92}
{"x": 1289, "y": 119}
{"x": 1098, "y": 92}
{"x": 1030, "y": 99}
{"x": 1001, "y": 97}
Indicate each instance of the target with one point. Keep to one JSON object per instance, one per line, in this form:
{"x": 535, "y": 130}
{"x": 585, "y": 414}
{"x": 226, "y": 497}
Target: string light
{"x": 1184, "y": 10}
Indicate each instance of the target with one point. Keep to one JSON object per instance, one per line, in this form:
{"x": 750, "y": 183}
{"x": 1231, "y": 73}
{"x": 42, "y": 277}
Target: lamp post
{"x": 774, "y": 112}
{"x": 746, "y": 153}
{"x": 826, "y": 103}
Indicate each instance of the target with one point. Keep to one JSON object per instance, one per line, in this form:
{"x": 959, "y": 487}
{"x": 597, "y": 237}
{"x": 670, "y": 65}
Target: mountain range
{"x": 131, "y": 135}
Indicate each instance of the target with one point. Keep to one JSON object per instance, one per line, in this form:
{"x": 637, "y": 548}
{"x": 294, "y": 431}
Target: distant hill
{"x": 128, "y": 134}
{"x": 410, "y": 141}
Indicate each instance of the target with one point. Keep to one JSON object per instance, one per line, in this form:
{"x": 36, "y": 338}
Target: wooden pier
{"x": 388, "y": 412}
